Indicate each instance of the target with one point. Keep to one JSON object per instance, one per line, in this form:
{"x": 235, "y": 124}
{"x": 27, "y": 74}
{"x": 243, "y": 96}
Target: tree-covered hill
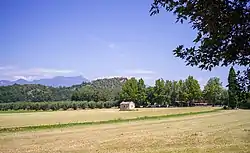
{"x": 101, "y": 89}
{"x": 33, "y": 92}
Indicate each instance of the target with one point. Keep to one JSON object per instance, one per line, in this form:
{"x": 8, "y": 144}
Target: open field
{"x": 223, "y": 131}
{"x": 38, "y": 118}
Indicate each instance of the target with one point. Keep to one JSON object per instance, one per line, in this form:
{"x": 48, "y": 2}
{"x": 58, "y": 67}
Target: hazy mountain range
{"x": 55, "y": 82}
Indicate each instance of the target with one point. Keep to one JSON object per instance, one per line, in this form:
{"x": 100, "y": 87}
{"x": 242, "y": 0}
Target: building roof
{"x": 127, "y": 102}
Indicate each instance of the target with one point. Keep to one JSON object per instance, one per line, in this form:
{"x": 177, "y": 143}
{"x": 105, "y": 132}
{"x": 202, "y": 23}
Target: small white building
{"x": 127, "y": 106}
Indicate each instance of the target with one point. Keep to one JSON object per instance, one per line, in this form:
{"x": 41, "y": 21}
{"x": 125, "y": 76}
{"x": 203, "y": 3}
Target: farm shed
{"x": 127, "y": 106}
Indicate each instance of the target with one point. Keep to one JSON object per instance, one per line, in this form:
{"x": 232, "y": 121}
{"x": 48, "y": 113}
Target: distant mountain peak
{"x": 55, "y": 81}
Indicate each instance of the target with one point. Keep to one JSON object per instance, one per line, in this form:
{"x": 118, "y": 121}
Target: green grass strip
{"x": 52, "y": 126}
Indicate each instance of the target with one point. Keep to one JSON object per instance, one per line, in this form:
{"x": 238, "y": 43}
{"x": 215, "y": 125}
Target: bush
{"x": 108, "y": 104}
{"x": 100, "y": 105}
{"x": 245, "y": 105}
{"x": 92, "y": 104}
{"x": 83, "y": 104}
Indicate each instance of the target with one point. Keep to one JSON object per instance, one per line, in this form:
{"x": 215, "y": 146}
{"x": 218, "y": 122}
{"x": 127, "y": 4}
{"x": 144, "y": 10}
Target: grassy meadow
{"x": 42, "y": 118}
{"x": 223, "y": 131}
{"x": 220, "y": 131}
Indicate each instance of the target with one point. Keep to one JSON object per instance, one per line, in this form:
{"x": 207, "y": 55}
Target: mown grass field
{"x": 221, "y": 131}
{"x": 225, "y": 131}
{"x": 38, "y": 118}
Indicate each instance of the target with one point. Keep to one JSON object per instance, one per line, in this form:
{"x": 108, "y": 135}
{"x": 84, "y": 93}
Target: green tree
{"x": 150, "y": 95}
{"x": 130, "y": 90}
{"x": 182, "y": 91}
{"x": 222, "y": 30}
{"x": 193, "y": 89}
{"x": 75, "y": 96}
{"x": 213, "y": 91}
{"x": 141, "y": 95}
{"x": 159, "y": 92}
{"x": 175, "y": 92}
{"x": 233, "y": 88}
{"x": 244, "y": 84}
{"x": 87, "y": 93}
{"x": 224, "y": 97}
{"x": 168, "y": 91}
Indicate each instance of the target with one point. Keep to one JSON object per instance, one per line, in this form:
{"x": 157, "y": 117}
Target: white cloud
{"x": 34, "y": 73}
{"x": 147, "y": 75}
{"x": 53, "y": 71}
{"x": 109, "y": 77}
{"x": 123, "y": 76}
{"x": 29, "y": 78}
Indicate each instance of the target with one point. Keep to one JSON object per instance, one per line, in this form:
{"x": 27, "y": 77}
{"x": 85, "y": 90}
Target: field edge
{"x": 65, "y": 125}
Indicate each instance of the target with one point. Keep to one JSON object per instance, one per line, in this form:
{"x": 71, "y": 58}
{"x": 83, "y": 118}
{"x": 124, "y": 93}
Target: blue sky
{"x": 95, "y": 39}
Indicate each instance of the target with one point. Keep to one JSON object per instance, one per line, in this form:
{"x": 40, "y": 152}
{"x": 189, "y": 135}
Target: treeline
{"x": 187, "y": 92}
{"x": 174, "y": 93}
{"x": 163, "y": 92}
{"x": 64, "y": 105}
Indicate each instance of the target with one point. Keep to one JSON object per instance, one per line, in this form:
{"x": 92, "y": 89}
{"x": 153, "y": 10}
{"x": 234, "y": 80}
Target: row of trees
{"x": 175, "y": 93}
{"x": 64, "y": 105}
{"x": 182, "y": 92}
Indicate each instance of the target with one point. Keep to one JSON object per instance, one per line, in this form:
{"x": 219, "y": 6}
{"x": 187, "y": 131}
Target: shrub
{"x": 83, "y": 104}
{"x": 92, "y": 104}
{"x": 100, "y": 104}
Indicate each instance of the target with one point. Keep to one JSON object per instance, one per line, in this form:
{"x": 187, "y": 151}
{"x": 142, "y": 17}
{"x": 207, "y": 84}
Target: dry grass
{"x": 224, "y": 131}
{"x": 38, "y": 118}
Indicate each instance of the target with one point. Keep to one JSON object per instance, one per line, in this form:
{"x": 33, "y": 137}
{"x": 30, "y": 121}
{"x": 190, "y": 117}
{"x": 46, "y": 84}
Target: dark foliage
{"x": 99, "y": 90}
{"x": 33, "y": 92}
{"x": 223, "y": 28}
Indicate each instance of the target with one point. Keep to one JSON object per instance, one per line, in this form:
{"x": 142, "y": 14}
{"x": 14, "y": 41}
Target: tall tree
{"x": 168, "y": 91}
{"x": 222, "y": 30}
{"x": 175, "y": 91}
{"x": 150, "y": 95}
{"x": 233, "y": 88}
{"x": 224, "y": 97}
{"x": 244, "y": 84}
{"x": 130, "y": 91}
{"x": 159, "y": 92}
{"x": 141, "y": 95}
{"x": 213, "y": 91}
{"x": 193, "y": 89}
{"x": 182, "y": 91}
